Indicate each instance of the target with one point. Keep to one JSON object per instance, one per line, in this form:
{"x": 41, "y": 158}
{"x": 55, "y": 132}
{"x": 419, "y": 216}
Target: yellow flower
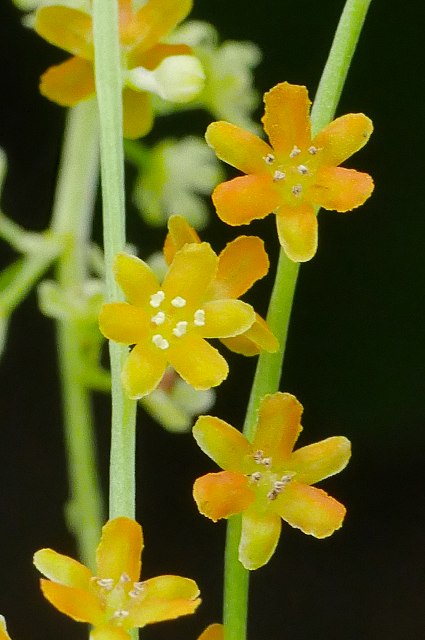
{"x": 114, "y": 600}
{"x": 169, "y": 322}
{"x": 142, "y": 55}
{"x": 213, "y": 632}
{"x": 295, "y": 173}
{"x": 241, "y": 263}
{"x": 266, "y": 481}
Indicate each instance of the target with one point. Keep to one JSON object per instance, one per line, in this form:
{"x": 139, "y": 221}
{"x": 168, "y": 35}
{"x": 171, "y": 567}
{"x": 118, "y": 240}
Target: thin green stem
{"x": 108, "y": 90}
{"x": 268, "y": 374}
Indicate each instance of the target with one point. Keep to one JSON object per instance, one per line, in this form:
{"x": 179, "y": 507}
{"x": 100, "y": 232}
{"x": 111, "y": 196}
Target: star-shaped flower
{"x": 169, "y": 322}
{"x": 293, "y": 175}
{"x": 266, "y": 481}
{"x": 241, "y": 263}
{"x": 114, "y": 600}
{"x": 143, "y": 58}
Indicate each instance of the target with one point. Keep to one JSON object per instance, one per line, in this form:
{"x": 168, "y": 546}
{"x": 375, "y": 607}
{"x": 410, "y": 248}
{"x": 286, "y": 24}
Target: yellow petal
{"x": 221, "y": 495}
{"x": 68, "y": 83}
{"x": 286, "y": 119}
{"x": 197, "y": 362}
{"x": 179, "y": 233}
{"x": 191, "y": 272}
{"x": 340, "y": 189}
{"x": 213, "y": 632}
{"x": 137, "y": 113}
{"x": 259, "y": 538}
{"x": 224, "y": 444}
{"x": 157, "y": 18}
{"x": 139, "y": 57}
{"x": 67, "y": 28}
{"x": 320, "y": 460}
{"x": 240, "y": 264}
{"x": 309, "y": 509}
{"x": 297, "y": 231}
{"x": 109, "y": 632}
{"x": 246, "y": 198}
{"x": 225, "y": 318}
{"x": 79, "y": 604}
{"x": 158, "y": 610}
{"x": 120, "y": 549}
{"x": 237, "y": 147}
{"x": 122, "y": 322}
{"x": 279, "y": 424}
{"x": 62, "y": 569}
{"x": 135, "y": 278}
{"x": 343, "y": 137}
{"x": 143, "y": 370}
{"x": 257, "y": 338}
{"x": 170, "y": 588}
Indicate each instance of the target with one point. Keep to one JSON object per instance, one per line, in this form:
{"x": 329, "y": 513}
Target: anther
{"x": 295, "y": 152}
{"x": 302, "y": 169}
{"x": 125, "y": 578}
{"x": 158, "y": 318}
{"x": 269, "y": 158}
{"x": 266, "y": 462}
{"x": 180, "y": 328}
{"x": 160, "y": 342}
{"x": 258, "y": 456}
{"x": 105, "y": 583}
{"x": 120, "y": 614}
{"x": 178, "y": 302}
{"x": 199, "y": 318}
{"x": 278, "y": 486}
{"x": 156, "y": 299}
{"x": 313, "y": 150}
{"x": 297, "y": 189}
{"x": 255, "y": 477}
{"x": 279, "y": 175}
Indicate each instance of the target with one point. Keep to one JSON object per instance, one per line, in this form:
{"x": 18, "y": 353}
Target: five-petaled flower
{"x": 266, "y": 481}
{"x": 114, "y": 600}
{"x": 293, "y": 175}
{"x": 169, "y": 322}
{"x": 241, "y": 263}
{"x": 142, "y": 55}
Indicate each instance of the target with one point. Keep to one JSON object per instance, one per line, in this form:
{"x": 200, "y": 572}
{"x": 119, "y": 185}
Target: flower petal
{"x": 68, "y": 83}
{"x": 156, "y": 610}
{"x": 259, "y": 538}
{"x": 137, "y": 113}
{"x": 143, "y": 370}
{"x": 122, "y": 322}
{"x": 120, "y": 549}
{"x": 157, "y": 18}
{"x": 170, "y": 588}
{"x": 226, "y": 318}
{"x": 223, "y": 494}
{"x": 179, "y": 233}
{"x": 79, "y": 604}
{"x": 309, "y": 509}
{"x": 197, "y": 362}
{"x": 320, "y": 460}
{"x": 297, "y": 231}
{"x": 224, "y": 444}
{"x": 135, "y": 278}
{"x": 343, "y": 137}
{"x": 244, "y": 199}
{"x": 62, "y": 569}
{"x": 257, "y": 338}
{"x": 340, "y": 189}
{"x": 139, "y": 57}
{"x": 237, "y": 147}
{"x": 213, "y": 632}
{"x": 278, "y": 427}
{"x": 109, "y": 632}
{"x": 286, "y": 119}
{"x": 241, "y": 263}
{"x": 191, "y": 272}
{"x": 67, "y": 28}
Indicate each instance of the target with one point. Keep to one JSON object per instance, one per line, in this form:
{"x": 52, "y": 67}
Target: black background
{"x": 355, "y": 357}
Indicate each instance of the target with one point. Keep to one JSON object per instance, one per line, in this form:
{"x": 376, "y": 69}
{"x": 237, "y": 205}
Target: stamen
{"x": 313, "y": 150}
{"x": 255, "y": 477}
{"x": 258, "y": 456}
{"x": 120, "y": 614}
{"x": 297, "y": 189}
{"x": 279, "y": 485}
{"x": 138, "y": 586}
{"x": 266, "y": 462}
{"x": 269, "y": 158}
{"x": 157, "y": 298}
{"x": 160, "y": 342}
{"x": 199, "y": 318}
{"x": 302, "y": 169}
{"x": 178, "y": 302}
{"x": 295, "y": 152}
{"x": 158, "y": 318}
{"x": 105, "y": 583}
{"x": 125, "y": 578}
{"x": 180, "y": 328}
{"x": 279, "y": 175}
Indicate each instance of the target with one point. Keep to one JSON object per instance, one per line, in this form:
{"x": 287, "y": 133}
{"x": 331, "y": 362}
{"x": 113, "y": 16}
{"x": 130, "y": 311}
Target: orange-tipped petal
{"x": 213, "y": 632}
{"x": 171, "y": 588}
{"x": 137, "y": 113}
{"x": 225, "y": 318}
{"x": 156, "y": 19}
{"x": 343, "y": 137}
{"x": 191, "y": 272}
{"x": 297, "y": 231}
{"x": 241, "y": 263}
{"x": 259, "y": 538}
{"x": 158, "y": 610}
{"x": 79, "y": 604}
{"x": 237, "y": 147}
{"x": 247, "y": 198}
{"x": 109, "y": 632}
{"x": 279, "y": 424}
{"x": 257, "y": 338}
{"x": 221, "y": 495}
{"x": 286, "y": 119}
{"x": 68, "y": 83}
{"x": 120, "y": 549}
{"x": 197, "y": 362}
{"x": 309, "y": 509}
{"x": 135, "y": 278}
{"x": 180, "y": 233}
{"x": 62, "y": 569}
{"x": 341, "y": 189}
{"x": 122, "y": 322}
{"x": 67, "y": 28}
{"x": 224, "y": 444}
{"x": 320, "y": 460}
{"x": 143, "y": 370}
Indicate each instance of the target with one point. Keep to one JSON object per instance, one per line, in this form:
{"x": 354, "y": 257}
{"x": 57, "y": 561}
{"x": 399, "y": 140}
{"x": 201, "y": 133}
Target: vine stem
{"x": 269, "y": 367}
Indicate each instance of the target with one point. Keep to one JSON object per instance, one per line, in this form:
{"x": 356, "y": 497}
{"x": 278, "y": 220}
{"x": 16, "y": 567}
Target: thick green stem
{"x": 268, "y": 374}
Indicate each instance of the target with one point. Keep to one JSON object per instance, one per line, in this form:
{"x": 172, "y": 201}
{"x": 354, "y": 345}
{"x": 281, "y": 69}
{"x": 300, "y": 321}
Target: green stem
{"x": 72, "y": 215}
{"x": 108, "y": 90}
{"x": 268, "y": 373}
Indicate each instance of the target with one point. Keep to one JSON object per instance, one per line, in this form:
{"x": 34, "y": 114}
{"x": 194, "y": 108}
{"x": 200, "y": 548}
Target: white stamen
{"x": 160, "y": 342}
{"x": 269, "y": 158}
{"x": 157, "y": 298}
{"x": 266, "y": 462}
{"x": 138, "y": 586}
{"x": 295, "y": 152}
{"x": 180, "y": 328}
{"x": 199, "y": 318}
{"x": 279, "y": 175}
{"x": 120, "y": 614}
{"x": 258, "y": 456}
{"x": 158, "y": 318}
{"x": 302, "y": 169}
{"x": 256, "y": 476}
{"x": 313, "y": 150}
{"x": 297, "y": 189}
{"x": 279, "y": 485}
{"x": 125, "y": 578}
{"x": 178, "y": 302}
{"x": 105, "y": 583}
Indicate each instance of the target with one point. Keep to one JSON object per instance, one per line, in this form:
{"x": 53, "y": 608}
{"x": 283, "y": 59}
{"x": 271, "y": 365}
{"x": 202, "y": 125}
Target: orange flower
{"x": 114, "y": 600}
{"x": 295, "y": 174}
{"x": 241, "y": 263}
{"x": 266, "y": 481}
{"x": 168, "y": 322}
{"x": 213, "y": 632}
{"x": 140, "y": 33}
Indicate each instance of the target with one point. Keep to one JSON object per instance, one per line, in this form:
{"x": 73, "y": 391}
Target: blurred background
{"x": 355, "y": 356}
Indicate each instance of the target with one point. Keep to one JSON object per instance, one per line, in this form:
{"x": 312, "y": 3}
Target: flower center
{"x": 268, "y": 483}
{"x": 172, "y": 319}
{"x": 117, "y": 597}
{"x": 293, "y": 173}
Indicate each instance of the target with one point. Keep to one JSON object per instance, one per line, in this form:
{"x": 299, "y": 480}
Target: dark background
{"x": 355, "y": 357}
